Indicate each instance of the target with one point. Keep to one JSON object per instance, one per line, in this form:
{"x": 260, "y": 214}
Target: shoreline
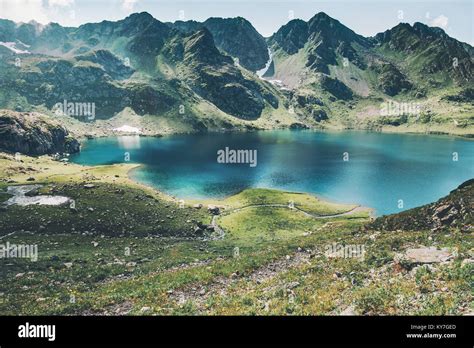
{"x": 218, "y": 199}
{"x": 467, "y": 136}
{"x": 52, "y": 176}
{"x": 131, "y": 168}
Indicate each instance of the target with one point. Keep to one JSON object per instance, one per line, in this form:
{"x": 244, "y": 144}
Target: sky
{"x": 366, "y": 17}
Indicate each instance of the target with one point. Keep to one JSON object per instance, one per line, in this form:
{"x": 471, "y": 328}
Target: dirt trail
{"x": 220, "y": 232}
{"x": 220, "y": 285}
{"x": 349, "y": 212}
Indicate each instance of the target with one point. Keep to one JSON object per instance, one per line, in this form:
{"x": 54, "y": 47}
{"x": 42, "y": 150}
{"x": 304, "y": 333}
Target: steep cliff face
{"x": 214, "y": 76}
{"x": 236, "y": 37}
{"x": 291, "y": 37}
{"x": 33, "y": 134}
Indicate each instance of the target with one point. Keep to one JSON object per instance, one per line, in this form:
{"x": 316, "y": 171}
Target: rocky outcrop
{"x": 33, "y": 134}
{"x": 453, "y": 211}
{"x": 337, "y": 88}
{"x": 235, "y": 37}
{"x": 391, "y": 81}
{"x": 213, "y": 76}
{"x": 425, "y": 255}
{"x": 111, "y": 64}
{"x": 238, "y": 38}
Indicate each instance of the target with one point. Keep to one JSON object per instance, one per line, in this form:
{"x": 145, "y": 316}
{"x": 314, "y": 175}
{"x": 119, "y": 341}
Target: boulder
{"x": 425, "y": 255}
{"x": 34, "y": 134}
{"x": 212, "y": 209}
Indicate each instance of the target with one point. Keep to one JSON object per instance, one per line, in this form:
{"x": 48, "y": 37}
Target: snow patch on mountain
{"x": 12, "y": 47}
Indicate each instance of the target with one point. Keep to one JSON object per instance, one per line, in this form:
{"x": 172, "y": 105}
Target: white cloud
{"x": 129, "y": 5}
{"x": 24, "y": 10}
{"x": 41, "y": 11}
{"x": 440, "y": 21}
{"x": 60, "y": 3}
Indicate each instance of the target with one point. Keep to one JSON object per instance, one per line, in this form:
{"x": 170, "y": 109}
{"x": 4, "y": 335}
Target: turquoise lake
{"x": 382, "y": 170}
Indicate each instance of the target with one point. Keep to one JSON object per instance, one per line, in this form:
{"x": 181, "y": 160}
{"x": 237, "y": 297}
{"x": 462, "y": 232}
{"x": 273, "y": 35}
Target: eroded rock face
{"x": 337, "y": 88}
{"x": 33, "y": 134}
{"x": 238, "y": 38}
{"x": 391, "y": 81}
{"x": 214, "y": 77}
{"x": 234, "y": 36}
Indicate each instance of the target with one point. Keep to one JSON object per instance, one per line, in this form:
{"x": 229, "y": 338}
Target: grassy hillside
{"x": 127, "y": 256}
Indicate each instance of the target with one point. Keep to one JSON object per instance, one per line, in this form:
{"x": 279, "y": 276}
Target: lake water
{"x": 382, "y": 170}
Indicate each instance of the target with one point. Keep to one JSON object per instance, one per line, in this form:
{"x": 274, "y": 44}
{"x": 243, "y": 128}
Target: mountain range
{"x": 222, "y": 74}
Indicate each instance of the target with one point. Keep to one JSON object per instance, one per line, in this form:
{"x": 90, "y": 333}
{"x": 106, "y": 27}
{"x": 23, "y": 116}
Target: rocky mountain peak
{"x": 200, "y": 48}
{"x": 292, "y": 36}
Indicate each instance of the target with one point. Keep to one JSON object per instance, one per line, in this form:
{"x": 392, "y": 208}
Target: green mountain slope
{"x": 428, "y": 51}
{"x": 214, "y": 77}
{"x": 354, "y": 78}
{"x": 139, "y": 63}
{"x": 195, "y": 76}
